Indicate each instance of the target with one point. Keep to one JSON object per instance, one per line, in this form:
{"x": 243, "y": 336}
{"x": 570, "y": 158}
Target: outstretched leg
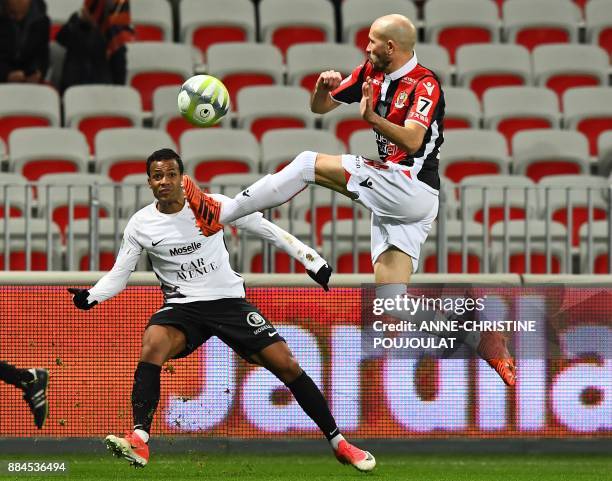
{"x": 279, "y": 360}
{"x": 33, "y": 382}
{"x": 270, "y": 191}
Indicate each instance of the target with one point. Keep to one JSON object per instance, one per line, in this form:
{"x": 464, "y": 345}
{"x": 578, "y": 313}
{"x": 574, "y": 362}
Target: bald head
{"x": 396, "y": 28}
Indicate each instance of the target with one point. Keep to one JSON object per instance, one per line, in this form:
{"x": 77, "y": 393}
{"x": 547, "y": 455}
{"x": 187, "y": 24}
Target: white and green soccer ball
{"x": 203, "y": 100}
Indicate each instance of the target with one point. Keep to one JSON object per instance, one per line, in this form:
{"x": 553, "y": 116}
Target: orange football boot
{"x": 205, "y": 209}
{"x": 349, "y": 454}
{"x": 131, "y": 447}
{"x": 493, "y": 349}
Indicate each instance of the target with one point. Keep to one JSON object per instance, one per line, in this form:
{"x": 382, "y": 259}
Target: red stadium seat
{"x": 560, "y": 67}
{"x": 481, "y": 67}
{"x": 470, "y": 152}
{"x": 27, "y": 105}
{"x": 266, "y": 108}
{"x": 152, "y": 20}
{"x": 536, "y": 22}
{"x": 93, "y": 108}
{"x": 598, "y": 22}
{"x": 205, "y": 153}
{"x": 18, "y": 260}
{"x": 344, "y": 122}
{"x": 245, "y": 65}
{"x": 454, "y": 263}
{"x": 364, "y": 263}
{"x": 282, "y": 264}
{"x": 155, "y": 64}
{"x": 589, "y": 110}
{"x": 459, "y": 23}
{"x": 515, "y": 109}
{"x": 306, "y": 21}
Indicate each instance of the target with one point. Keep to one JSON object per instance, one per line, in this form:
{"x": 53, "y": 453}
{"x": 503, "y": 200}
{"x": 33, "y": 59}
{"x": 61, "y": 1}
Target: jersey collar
{"x": 404, "y": 69}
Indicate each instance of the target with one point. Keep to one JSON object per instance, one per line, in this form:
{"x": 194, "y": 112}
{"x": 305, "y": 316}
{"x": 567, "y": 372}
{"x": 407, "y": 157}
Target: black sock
{"x": 15, "y": 376}
{"x": 145, "y": 394}
{"x": 311, "y": 400}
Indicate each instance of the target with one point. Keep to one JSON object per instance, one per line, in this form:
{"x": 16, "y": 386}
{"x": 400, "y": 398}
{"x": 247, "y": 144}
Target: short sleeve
{"x": 426, "y": 97}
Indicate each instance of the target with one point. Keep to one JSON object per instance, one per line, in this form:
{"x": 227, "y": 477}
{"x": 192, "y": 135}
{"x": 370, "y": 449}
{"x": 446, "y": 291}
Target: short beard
{"x": 380, "y": 64}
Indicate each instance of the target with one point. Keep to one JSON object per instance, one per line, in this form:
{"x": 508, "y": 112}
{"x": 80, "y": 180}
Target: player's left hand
{"x": 365, "y": 106}
{"x": 322, "y": 276}
{"x": 80, "y": 298}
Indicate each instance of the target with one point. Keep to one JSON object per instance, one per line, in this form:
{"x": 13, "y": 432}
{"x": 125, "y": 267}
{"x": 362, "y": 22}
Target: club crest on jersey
{"x": 401, "y": 100}
{"x": 255, "y": 319}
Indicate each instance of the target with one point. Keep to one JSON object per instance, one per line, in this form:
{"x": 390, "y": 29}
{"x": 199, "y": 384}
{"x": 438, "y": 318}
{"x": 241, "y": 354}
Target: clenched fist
{"x": 329, "y": 80}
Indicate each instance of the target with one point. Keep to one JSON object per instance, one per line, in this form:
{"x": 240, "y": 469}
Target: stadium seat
{"x": 358, "y": 15}
{"x": 120, "y": 152}
{"x": 210, "y": 152}
{"x": 59, "y": 11}
{"x": 155, "y": 64}
{"x": 240, "y": 65}
{"x": 589, "y": 110}
{"x": 428, "y": 261}
{"x": 108, "y": 239}
{"x": 305, "y": 61}
{"x": 166, "y": 115}
{"x": 92, "y": 108}
{"x": 3, "y": 155}
{"x": 513, "y": 109}
{"x": 39, "y": 247}
{"x": 481, "y": 67}
{"x": 306, "y": 21}
{"x": 135, "y": 194}
{"x": 264, "y": 108}
{"x": 521, "y": 197}
{"x": 559, "y": 187}
{"x": 279, "y": 147}
{"x": 363, "y": 142}
{"x": 13, "y": 194}
{"x": 76, "y": 188}
{"x": 598, "y": 16}
{"x": 27, "y": 105}
{"x": 461, "y": 22}
{"x": 536, "y": 22}
{"x": 462, "y": 109}
{"x": 37, "y": 151}
{"x": 600, "y": 247}
{"x": 435, "y": 58}
{"x": 542, "y": 152}
{"x": 561, "y": 67}
{"x": 538, "y": 239}
{"x": 219, "y": 22}
{"x": 152, "y": 20}
{"x": 604, "y": 149}
{"x": 316, "y": 206}
{"x": 339, "y": 249}
{"x": 253, "y": 252}
{"x": 343, "y": 121}
{"x": 469, "y": 152}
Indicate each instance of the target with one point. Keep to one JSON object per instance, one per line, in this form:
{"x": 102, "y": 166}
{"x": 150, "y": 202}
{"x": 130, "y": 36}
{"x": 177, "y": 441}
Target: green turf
{"x": 261, "y": 467}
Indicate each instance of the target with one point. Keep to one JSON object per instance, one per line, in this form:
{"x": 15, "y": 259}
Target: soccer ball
{"x": 203, "y": 100}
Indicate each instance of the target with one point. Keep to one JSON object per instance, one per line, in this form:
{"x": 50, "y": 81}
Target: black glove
{"x": 80, "y": 298}
{"x": 322, "y": 276}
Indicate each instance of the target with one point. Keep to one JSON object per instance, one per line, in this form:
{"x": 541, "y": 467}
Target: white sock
{"x": 142, "y": 434}
{"x": 273, "y": 189}
{"x": 335, "y": 441}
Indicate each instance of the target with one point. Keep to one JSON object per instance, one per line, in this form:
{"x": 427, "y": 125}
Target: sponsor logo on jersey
{"x": 196, "y": 268}
{"x": 255, "y": 319}
{"x": 429, "y": 87}
{"x": 265, "y": 327}
{"x": 400, "y": 102}
{"x": 184, "y": 250}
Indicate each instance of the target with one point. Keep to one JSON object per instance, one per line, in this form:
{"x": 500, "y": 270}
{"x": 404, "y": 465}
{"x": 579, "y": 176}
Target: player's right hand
{"x": 80, "y": 298}
{"x": 329, "y": 80}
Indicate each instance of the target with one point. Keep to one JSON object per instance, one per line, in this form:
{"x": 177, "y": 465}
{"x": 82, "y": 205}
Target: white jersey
{"x": 189, "y": 266}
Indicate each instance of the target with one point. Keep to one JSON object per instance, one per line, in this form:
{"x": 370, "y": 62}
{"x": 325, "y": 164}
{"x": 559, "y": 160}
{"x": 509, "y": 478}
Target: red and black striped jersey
{"x": 410, "y": 94}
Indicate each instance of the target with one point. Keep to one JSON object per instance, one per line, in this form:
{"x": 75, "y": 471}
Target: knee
{"x": 288, "y": 370}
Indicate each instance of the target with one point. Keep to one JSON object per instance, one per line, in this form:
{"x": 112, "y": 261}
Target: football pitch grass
{"x": 318, "y": 467}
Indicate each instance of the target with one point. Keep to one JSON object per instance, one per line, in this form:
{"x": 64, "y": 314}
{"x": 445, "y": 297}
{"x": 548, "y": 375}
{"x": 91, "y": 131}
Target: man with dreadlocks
{"x": 95, "y": 39}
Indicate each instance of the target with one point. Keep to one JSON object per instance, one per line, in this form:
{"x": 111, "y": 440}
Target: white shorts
{"x": 403, "y": 208}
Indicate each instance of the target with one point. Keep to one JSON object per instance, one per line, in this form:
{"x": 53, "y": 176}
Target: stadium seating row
{"x": 536, "y": 153}
{"x": 451, "y": 24}
{"x": 483, "y": 252}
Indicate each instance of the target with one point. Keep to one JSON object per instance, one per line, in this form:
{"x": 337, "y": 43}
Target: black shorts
{"x": 235, "y": 321}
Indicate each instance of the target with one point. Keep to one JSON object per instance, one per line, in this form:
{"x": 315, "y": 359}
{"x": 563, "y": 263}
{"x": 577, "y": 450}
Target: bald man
{"x": 404, "y": 103}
